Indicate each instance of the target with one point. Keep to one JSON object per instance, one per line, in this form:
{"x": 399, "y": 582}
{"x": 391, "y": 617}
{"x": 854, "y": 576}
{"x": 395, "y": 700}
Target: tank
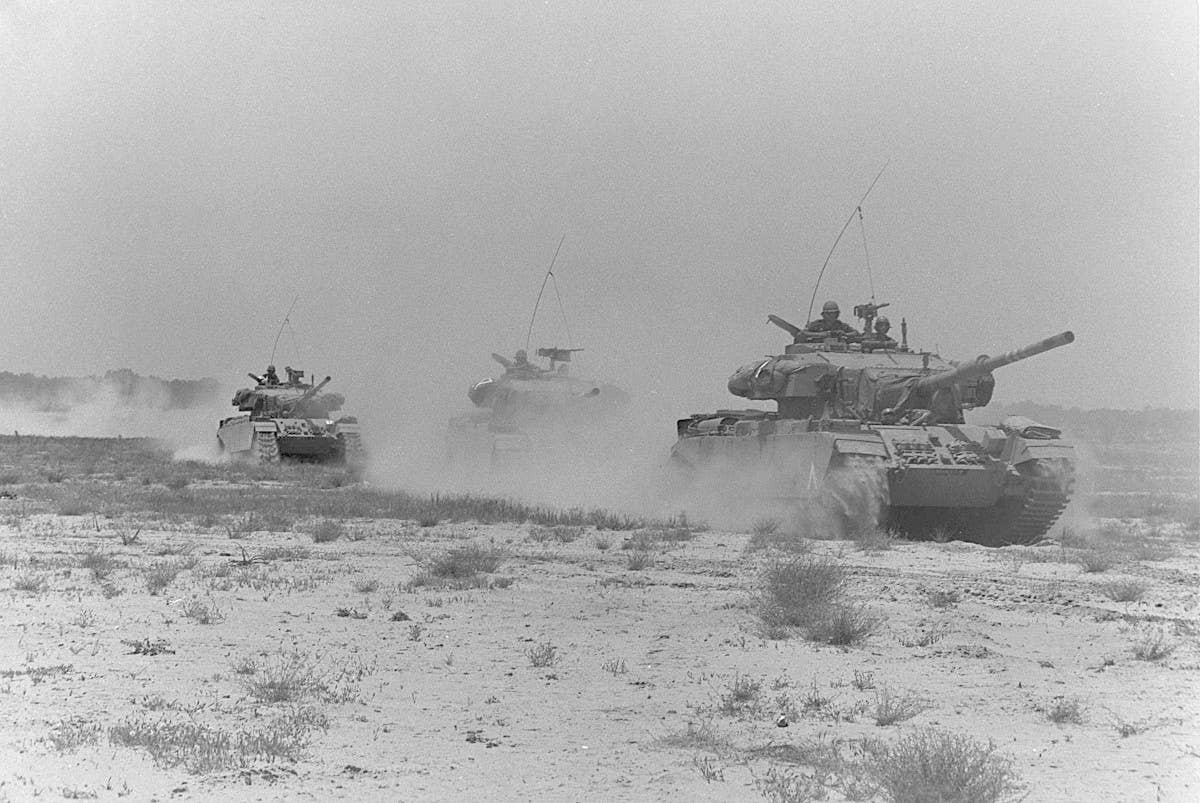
{"x": 870, "y": 433}
{"x": 292, "y": 420}
{"x": 528, "y": 410}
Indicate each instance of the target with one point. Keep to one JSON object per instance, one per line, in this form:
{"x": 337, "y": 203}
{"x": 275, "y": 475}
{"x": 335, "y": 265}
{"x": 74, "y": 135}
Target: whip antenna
{"x": 849, "y": 220}
{"x": 867, "y": 254}
{"x": 563, "y": 311}
{"x": 284, "y": 323}
{"x": 549, "y": 275}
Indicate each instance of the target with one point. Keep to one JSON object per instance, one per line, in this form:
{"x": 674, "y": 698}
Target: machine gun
{"x": 258, "y": 380}
{"x": 556, "y": 355}
{"x": 868, "y": 313}
{"x": 505, "y": 361}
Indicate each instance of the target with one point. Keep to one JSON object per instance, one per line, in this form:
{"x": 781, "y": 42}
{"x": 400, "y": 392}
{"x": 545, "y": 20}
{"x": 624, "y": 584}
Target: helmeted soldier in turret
{"x": 270, "y": 377}
{"x": 828, "y": 322}
{"x": 879, "y": 339}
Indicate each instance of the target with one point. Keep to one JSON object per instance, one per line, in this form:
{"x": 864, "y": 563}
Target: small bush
{"x": 1095, "y": 561}
{"x": 293, "y": 677}
{"x": 637, "y": 560}
{"x": 933, "y": 765}
{"x": 1066, "y": 711}
{"x": 844, "y": 625}
{"x": 892, "y": 708}
{"x": 764, "y": 527}
{"x": 614, "y": 666}
{"x": 161, "y": 574}
{"x": 324, "y": 531}
{"x": 29, "y": 581}
{"x": 71, "y": 734}
{"x": 1153, "y": 646}
{"x": 544, "y": 654}
{"x": 798, "y": 592}
{"x": 467, "y": 561}
{"x": 366, "y": 585}
{"x": 99, "y": 564}
{"x": 1124, "y": 590}
{"x": 943, "y": 598}
{"x": 203, "y": 613}
{"x": 742, "y": 694}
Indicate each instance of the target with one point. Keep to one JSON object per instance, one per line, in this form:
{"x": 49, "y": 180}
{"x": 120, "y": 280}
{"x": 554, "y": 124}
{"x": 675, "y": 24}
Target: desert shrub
{"x": 71, "y": 734}
{"x": 100, "y": 564}
{"x": 875, "y": 539}
{"x": 203, "y": 612}
{"x": 293, "y": 677}
{"x": 161, "y": 574}
{"x": 366, "y": 585}
{"x": 638, "y": 560}
{"x": 1153, "y": 645}
{"x": 1065, "y": 711}
{"x": 741, "y": 695}
{"x": 324, "y": 531}
{"x": 934, "y": 765}
{"x": 614, "y": 666}
{"x": 29, "y": 581}
{"x": 1124, "y": 590}
{"x": 544, "y": 654}
{"x": 562, "y": 533}
{"x": 798, "y": 592}
{"x": 843, "y": 624}
{"x": 203, "y": 748}
{"x": 1096, "y": 560}
{"x": 891, "y": 708}
{"x": 943, "y": 598}
{"x": 466, "y": 562}
{"x": 764, "y": 527}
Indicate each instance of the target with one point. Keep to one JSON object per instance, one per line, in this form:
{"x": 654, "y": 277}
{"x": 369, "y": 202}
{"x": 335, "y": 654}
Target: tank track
{"x": 1050, "y": 486}
{"x": 1020, "y": 520}
{"x": 267, "y": 447}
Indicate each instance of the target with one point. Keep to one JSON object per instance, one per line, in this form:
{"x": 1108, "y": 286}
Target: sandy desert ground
{"x": 181, "y": 631}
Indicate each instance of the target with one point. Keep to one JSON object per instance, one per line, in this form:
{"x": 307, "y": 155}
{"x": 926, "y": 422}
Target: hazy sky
{"x": 172, "y": 176}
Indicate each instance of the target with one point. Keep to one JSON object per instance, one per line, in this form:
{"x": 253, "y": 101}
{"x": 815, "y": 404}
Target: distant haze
{"x": 174, "y": 176}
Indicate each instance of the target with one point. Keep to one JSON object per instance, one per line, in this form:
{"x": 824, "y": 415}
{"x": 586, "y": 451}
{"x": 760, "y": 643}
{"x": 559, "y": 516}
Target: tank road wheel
{"x": 267, "y": 447}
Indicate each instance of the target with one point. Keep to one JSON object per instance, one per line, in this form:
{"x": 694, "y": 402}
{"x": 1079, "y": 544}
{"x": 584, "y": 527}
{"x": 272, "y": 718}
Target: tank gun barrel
{"x": 985, "y": 364}
{"x": 314, "y": 390}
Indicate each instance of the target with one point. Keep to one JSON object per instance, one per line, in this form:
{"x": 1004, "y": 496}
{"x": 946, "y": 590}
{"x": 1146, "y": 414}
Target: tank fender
{"x": 1021, "y": 450}
{"x": 865, "y": 445}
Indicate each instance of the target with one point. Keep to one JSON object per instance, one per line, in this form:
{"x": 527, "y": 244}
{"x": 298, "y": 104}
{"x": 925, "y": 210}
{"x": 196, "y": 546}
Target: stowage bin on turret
{"x": 875, "y": 433}
{"x": 289, "y": 420}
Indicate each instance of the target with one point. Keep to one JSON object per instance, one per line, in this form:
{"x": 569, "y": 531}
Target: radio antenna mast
{"x": 549, "y": 275}
{"x": 857, "y": 210}
{"x": 284, "y": 323}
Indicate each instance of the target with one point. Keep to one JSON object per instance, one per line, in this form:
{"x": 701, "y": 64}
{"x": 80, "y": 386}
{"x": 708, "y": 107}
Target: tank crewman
{"x": 879, "y": 339}
{"x": 828, "y": 322}
{"x": 270, "y": 377}
{"x": 522, "y": 367}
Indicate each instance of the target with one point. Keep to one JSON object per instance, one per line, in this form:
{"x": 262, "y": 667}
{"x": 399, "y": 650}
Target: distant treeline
{"x": 1148, "y": 425}
{"x": 62, "y": 394}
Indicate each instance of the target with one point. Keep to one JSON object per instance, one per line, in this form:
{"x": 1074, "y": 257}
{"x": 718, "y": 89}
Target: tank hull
{"x": 989, "y": 485}
{"x": 269, "y": 440}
